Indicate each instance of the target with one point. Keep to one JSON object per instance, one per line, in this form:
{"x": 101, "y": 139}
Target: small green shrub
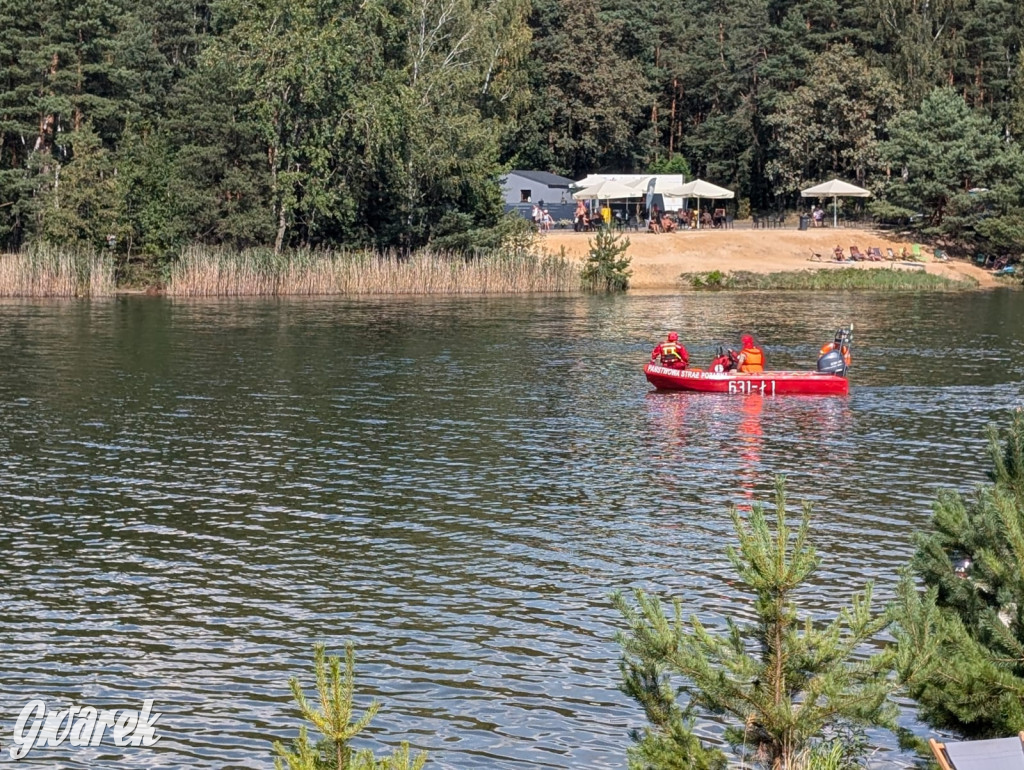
{"x": 332, "y": 716}
{"x": 715, "y": 279}
{"x": 607, "y": 267}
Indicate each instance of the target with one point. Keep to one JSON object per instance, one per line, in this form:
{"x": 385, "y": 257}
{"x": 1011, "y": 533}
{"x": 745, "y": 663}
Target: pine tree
{"x": 607, "y": 267}
{"x": 786, "y": 686}
{"x": 961, "y": 644}
{"x": 334, "y": 720}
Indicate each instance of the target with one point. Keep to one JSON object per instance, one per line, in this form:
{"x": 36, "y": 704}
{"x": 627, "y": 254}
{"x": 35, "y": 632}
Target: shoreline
{"x": 741, "y": 259}
{"x": 658, "y": 260}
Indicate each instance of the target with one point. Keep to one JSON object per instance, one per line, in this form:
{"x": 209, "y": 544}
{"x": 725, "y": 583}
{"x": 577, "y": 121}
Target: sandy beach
{"x": 658, "y": 259}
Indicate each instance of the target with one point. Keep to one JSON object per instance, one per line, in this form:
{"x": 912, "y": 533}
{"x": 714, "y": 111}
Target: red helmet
{"x": 747, "y": 341}
{"x": 672, "y": 336}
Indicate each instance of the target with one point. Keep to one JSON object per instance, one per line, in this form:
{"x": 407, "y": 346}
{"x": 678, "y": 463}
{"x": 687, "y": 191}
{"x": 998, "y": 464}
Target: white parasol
{"x": 698, "y": 189}
{"x": 834, "y": 188}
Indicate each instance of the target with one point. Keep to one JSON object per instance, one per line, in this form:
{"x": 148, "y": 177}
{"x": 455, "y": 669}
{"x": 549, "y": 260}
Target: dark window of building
{"x": 524, "y": 196}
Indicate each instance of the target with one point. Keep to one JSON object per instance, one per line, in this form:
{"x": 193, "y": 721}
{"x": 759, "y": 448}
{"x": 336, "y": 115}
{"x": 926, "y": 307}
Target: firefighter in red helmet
{"x": 671, "y": 353}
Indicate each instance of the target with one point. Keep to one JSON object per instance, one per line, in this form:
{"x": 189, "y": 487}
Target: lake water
{"x": 192, "y": 493}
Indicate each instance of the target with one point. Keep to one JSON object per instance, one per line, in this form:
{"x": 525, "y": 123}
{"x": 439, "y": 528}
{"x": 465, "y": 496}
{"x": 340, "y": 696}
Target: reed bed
{"x": 49, "y": 271}
{"x": 204, "y": 272}
{"x": 880, "y": 279}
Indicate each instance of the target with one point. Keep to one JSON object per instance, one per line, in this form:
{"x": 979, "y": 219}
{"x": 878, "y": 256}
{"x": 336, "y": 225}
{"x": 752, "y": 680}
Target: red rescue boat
{"x": 766, "y": 383}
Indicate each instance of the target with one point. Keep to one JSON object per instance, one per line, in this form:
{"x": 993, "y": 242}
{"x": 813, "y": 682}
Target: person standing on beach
{"x": 581, "y": 217}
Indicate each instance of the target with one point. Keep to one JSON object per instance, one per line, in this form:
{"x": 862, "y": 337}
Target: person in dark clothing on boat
{"x": 670, "y": 353}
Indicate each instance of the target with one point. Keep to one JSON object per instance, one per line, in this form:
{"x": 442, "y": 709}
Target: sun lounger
{"x": 940, "y": 256}
{"x": 915, "y": 253}
{"x": 875, "y": 254}
{"x": 857, "y": 254}
{"x": 815, "y": 256}
{"x": 890, "y": 255}
{"x": 994, "y": 754}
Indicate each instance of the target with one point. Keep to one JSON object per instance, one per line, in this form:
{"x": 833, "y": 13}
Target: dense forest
{"x": 145, "y": 127}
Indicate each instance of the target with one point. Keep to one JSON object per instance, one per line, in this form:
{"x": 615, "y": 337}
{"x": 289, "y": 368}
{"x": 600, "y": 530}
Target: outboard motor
{"x": 832, "y": 363}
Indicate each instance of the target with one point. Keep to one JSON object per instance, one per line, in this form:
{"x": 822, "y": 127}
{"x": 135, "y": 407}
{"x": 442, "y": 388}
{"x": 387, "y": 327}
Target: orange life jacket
{"x": 753, "y": 360}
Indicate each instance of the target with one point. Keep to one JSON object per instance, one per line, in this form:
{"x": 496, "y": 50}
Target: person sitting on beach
{"x": 838, "y": 255}
{"x": 667, "y": 225}
{"x": 751, "y": 357}
{"x": 670, "y": 353}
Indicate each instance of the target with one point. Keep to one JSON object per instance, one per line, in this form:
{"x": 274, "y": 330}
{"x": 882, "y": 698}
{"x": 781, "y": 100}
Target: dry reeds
{"x": 48, "y": 271}
{"x": 204, "y": 272}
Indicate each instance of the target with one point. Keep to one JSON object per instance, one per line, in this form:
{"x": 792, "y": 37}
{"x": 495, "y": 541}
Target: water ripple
{"x": 193, "y": 492}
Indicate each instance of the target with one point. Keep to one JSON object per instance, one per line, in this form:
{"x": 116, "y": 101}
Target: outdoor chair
{"x": 915, "y": 253}
{"x": 891, "y": 255}
{"x": 941, "y": 256}
{"x": 875, "y": 254}
{"x": 856, "y": 254}
{"x": 995, "y": 754}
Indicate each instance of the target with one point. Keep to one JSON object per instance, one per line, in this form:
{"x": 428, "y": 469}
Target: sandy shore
{"x": 657, "y": 260}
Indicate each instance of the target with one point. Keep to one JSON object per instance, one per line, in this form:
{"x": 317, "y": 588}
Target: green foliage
{"x": 607, "y": 267}
{"x": 961, "y": 643}
{"x": 715, "y": 279}
{"x": 587, "y": 96}
{"x": 385, "y": 124}
{"x": 332, "y": 717}
{"x": 782, "y": 683}
{"x": 80, "y": 201}
{"x": 938, "y": 153}
{"x": 847, "y": 278}
{"x": 675, "y": 165}
{"x": 831, "y": 125}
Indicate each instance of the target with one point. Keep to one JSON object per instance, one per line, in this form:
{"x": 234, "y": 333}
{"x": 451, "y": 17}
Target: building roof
{"x": 544, "y": 178}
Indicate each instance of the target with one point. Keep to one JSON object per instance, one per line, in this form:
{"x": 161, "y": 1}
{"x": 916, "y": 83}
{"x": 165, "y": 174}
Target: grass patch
{"x": 872, "y": 279}
{"x": 48, "y": 271}
{"x": 208, "y": 272}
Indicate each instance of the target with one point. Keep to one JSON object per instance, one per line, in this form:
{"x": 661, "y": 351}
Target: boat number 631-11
{"x": 749, "y": 387}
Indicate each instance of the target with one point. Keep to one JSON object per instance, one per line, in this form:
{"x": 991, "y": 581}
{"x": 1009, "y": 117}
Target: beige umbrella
{"x": 607, "y": 190}
{"x": 834, "y": 188}
{"x": 698, "y": 189}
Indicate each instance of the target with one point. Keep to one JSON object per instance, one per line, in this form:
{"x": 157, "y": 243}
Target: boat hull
{"x": 768, "y": 383}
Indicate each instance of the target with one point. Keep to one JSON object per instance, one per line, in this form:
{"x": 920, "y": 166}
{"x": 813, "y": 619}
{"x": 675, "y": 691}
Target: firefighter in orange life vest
{"x": 670, "y": 353}
{"x": 838, "y": 344}
{"x": 751, "y": 357}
